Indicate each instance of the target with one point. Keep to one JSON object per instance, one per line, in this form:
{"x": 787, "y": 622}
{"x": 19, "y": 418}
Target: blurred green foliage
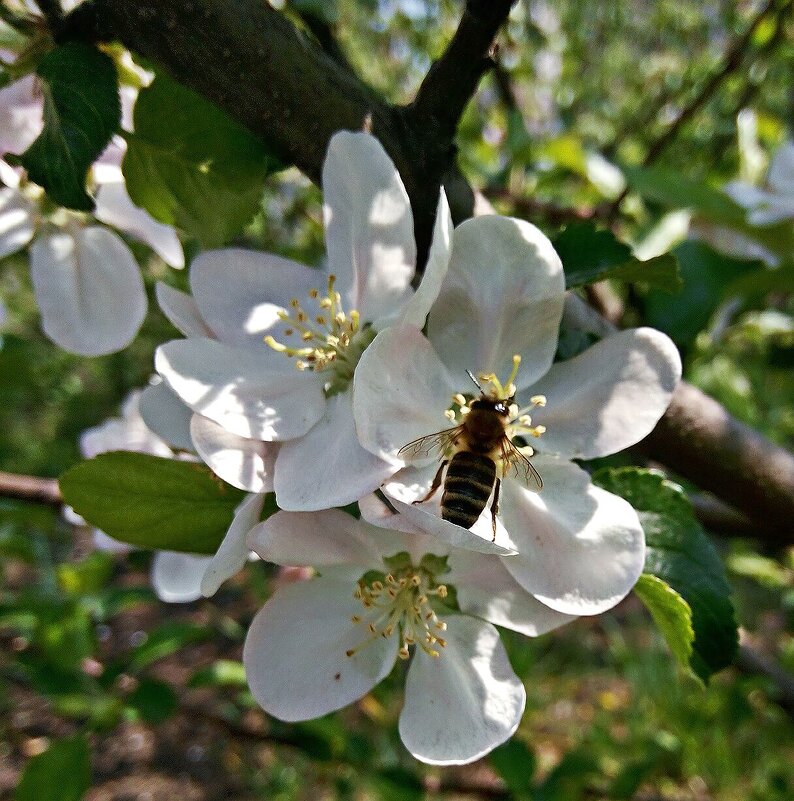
{"x": 608, "y": 714}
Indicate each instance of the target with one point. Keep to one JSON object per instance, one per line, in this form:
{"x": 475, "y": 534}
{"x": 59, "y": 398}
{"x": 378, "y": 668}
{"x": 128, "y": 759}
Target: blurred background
{"x": 644, "y": 116}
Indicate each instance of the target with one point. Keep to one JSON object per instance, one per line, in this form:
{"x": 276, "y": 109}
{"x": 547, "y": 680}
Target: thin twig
{"x": 30, "y": 488}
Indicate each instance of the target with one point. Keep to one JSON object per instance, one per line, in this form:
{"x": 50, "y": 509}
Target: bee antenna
{"x": 476, "y": 382}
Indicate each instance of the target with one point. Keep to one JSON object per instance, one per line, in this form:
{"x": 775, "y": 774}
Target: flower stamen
{"x": 331, "y": 339}
{"x": 402, "y": 603}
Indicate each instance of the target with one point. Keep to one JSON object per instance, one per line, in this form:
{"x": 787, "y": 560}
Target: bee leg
{"x": 435, "y": 485}
{"x": 495, "y": 507}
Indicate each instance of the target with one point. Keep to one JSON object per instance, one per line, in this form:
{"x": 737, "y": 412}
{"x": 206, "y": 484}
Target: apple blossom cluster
{"x": 309, "y": 383}
{"x": 85, "y": 278}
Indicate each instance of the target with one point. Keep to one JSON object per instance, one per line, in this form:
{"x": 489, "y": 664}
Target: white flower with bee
{"x": 580, "y": 549}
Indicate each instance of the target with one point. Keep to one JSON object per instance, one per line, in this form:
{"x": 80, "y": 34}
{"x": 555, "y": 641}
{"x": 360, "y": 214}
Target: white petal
{"x": 233, "y": 551}
{"x": 166, "y": 415}
{"x": 486, "y": 589}
{"x": 369, "y": 229}
{"x": 243, "y": 463}
{"x": 478, "y": 538}
{"x": 294, "y": 653}
{"x": 239, "y": 389}
{"x": 781, "y": 170}
{"x": 21, "y": 120}
{"x": 182, "y": 311}
{"x": 114, "y": 207}
{"x": 376, "y": 512}
{"x": 580, "y": 548}
{"x": 128, "y": 433}
{"x": 774, "y": 209}
{"x": 461, "y": 705}
{"x": 416, "y": 311}
{"x": 316, "y": 539}
{"x": 89, "y": 290}
{"x": 400, "y": 392}
{"x": 503, "y": 294}
{"x": 104, "y": 542}
{"x": 176, "y": 577}
{"x": 17, "y": 221}
{"x": 240, "y": 292}
{"x": 609, "y": 397}
{"x": 327, "y": 466}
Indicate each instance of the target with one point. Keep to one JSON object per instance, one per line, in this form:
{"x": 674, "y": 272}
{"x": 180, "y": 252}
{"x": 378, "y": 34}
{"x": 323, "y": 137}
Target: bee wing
{"x": 431, "y": 444}
{"x": 517, "y": 465}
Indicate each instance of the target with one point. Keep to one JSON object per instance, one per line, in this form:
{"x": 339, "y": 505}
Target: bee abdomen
{"x": 467, "y": 486}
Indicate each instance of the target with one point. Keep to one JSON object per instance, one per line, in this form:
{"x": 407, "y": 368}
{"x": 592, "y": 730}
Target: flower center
{"x": 400, "y": 602}
{"x": 520, "y": 420}
{"x": 328, "y": 339}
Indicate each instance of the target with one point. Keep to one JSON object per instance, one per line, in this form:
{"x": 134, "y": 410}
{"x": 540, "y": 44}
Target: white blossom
{"x": 318, "y": 645}
{"x": 580, "y": 549}
{"x": 272, "y": 345}
{"x": 86, "y": 281}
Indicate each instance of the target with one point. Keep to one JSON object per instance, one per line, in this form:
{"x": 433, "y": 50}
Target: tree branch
{"x": 698, "y": 439}
{"x": 30, "y": 488}
{"x": 251, "y": 61}
{"x": 453, "y": 79}
{"x": 701, "y": 441}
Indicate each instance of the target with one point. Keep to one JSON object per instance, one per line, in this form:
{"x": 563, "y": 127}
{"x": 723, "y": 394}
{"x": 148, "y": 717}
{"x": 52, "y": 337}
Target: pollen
{"x": 402, "y": 603}
{"x": 326, "y": 337}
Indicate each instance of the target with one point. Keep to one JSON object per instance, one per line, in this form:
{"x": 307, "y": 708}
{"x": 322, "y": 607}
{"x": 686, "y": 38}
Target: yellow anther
{"x": 403, "y": 653}
{"x": 538, "y": 400}
{"x": 320, "y": 320}
{"x": 314, "y": 293}
{"x": 295, "y": 303}
{"x": 356, "y": 619}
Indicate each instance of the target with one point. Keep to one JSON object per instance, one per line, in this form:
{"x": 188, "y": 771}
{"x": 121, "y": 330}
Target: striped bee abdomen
{"x": 467, "y": 486}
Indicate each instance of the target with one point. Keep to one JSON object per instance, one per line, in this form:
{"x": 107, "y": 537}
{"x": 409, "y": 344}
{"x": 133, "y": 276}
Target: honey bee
{"x": 477, "y": 455}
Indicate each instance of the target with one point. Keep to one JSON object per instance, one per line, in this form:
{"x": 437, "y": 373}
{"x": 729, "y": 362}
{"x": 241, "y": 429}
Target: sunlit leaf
{"x": 191, "y": 165}
{"x": 152, "y": 502}
{"x": 681, "y": 555}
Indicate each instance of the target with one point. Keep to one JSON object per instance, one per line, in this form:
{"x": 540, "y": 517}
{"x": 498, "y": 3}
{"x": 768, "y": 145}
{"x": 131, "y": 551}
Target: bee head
{"x": 501, "y": 407}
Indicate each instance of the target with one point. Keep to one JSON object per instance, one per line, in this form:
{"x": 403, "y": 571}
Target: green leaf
{"x": 706, "y": 274}
{"x": 221, "y": 673}
{"x": 88, "y": 576}
{"x": 61, "y": 773}
{"x": 81, "y": 113}
{"x": 671, "y": 189}
{"x": 153, "y": 700}
{"x": 396, "y": 784}
{"x": 192, "y": 166}
{"x": 516, "y": 764}
{"x": 680, "y": 554}
{"x": 152, "y": 502}
{"x": 165, "y": 640}
{"x": 590, "y": 254}
{"x": 670, "y": 612}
